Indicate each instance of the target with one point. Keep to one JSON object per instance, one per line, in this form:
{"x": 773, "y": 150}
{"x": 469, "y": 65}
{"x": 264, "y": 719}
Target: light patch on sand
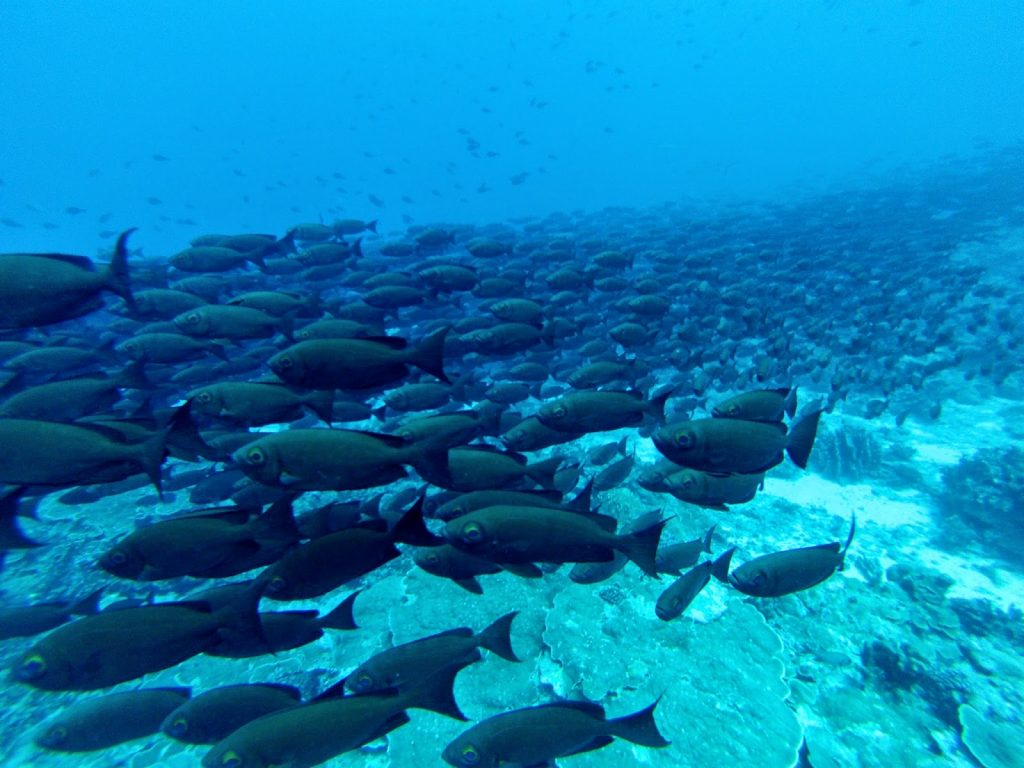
{"x": 970, "y": 583}
{"x": 844, "y": 500}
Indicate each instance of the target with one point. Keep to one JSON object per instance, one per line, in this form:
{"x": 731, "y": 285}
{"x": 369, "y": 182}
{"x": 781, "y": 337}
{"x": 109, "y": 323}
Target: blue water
{"x": 871, "y": 138}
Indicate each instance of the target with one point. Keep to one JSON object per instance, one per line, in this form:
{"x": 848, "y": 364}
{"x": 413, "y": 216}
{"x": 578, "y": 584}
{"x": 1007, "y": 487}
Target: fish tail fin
{"x": 706, "y": 544}
{"x": 372, "y": 226}
{"x": 437, "y": 694}
{"x": 151, "y": 455}
{"x": 321, "y": 403}
{"x": 639, "y": 728}
{"x": 410, "y": 529}
{"x": 642, "y": 547}
{"x": 656, "y": 405}
{"x": 287, "y": 326}
{"x": 849, "y": 541}
{"x": 801, "y": 438}
{"x": 88, "y": 605}
{"x": 584, "y": 499}
{"x": 242, "y": 615}
{"x": 429, "y": 355}
{"x": 498, "y": 637}
{"x": 11, "y": 535}
{"x": 256, "y": 257}
{"x": 278, "y": 522}
{"x": 720, "y": 568}
{"x": 357, "y": 247}
{"x": 117, "y": 279}
{"x": 790, "y": 402}
{"x": 543, "y": 472}
{"x": 134, "y": 376}
{"x": 431, "y": 462}
{"x": 342, "y": 617}
{"x": 286, "y": 243}
{"x": 183, "y": 433}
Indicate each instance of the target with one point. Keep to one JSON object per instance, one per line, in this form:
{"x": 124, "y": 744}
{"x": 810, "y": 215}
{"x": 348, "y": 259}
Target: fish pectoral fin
{"x": 524, "y": 570}
{"x": 470, "y": 585}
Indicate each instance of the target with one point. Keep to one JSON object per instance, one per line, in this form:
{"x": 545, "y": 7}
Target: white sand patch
{"x": 973, "y": 578}
{"x": 844, "y": 500}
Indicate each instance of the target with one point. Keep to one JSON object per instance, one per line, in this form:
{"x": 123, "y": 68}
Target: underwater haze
{"x": 256, "y": 115}
{"x": 482, "y": 384}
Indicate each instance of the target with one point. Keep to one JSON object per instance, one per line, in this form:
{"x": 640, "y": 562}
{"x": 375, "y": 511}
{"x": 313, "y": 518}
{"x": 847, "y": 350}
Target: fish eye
{"x": 231, "y": 759}
{"x": 204, "y": 397}
{"x": 689, "y": 482}
{"x": 364, "y": 682}
{"x": 432, "y": 559}
{"x": 277, "y": 584}
{"x": 256, "y": 457}
{"x": 32, "y": 667}
{"x": 57, "y": 735}
{"x": 179, "y": 727}
{"x": 470, "y": 755}
{"x": 558, "y": 411}
{"x": 682, "y": 438}
{"x": 473, "y": 533}
{"x": 285, "y": 362}
{"x": 192, "y": 317}
{"x": 759, "y": 580}
{"x": 117, "y": 557}
{"x": 407, "y": 435}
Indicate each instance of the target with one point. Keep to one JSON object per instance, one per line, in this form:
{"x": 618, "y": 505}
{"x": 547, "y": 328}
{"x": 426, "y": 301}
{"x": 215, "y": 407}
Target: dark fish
{"x": 11, "y": 535}
{"x": 335, "y": 459}
{"x": 531, "y": 434}
{"x": 227, "y": 321}
{"x": 42, "y": 289}
{"x": 450, "y": 563}
{"x": 358, "y": 363}
{"x": 600, "y": 410}
{"x": 213, "y": 258}
{"x": 421, "y": 396}
{"x": 602, "y": 454}
{"x": 255, "y": 404}
{"x": 737, "y": 445}
{"x": 214, "y": 714}
{"x": 536, "y": 736}
{"x": 507, "y": 534}
{"x": 613, "y": 475}
{"x": 475, "y": 468}
{"x": 782, "y": 573}
{"x": 672, "y": 558}
{"x": 168, "y": 348}
{"x": 204, "y": 544}
{"x": 29, "y": 620}
{"x": 50, "y": 453}
{"x": 109, "y": 648}
{"x": 762, "y": 405}
{"x": 681, "y": 592}
{"x": 105, "y": 721}
{"x": 412, "y": 664}
{"x": 286, "y": 630}
{"x": 331, "y": 724}
{"x": 72, "y": 399}
{"x": 713, "y": 490}
{"x": 321, "y": 565}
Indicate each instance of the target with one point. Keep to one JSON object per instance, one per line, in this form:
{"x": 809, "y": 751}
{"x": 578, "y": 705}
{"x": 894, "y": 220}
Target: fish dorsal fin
{"x": 391, "y": 342}
{"x": 587, "y": 707}
{"x": 82, "y": 262}
{"x": 290, "y": 690}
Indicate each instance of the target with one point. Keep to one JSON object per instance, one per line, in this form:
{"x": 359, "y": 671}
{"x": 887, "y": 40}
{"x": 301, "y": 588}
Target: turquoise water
{"x": 824, "y": 195}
